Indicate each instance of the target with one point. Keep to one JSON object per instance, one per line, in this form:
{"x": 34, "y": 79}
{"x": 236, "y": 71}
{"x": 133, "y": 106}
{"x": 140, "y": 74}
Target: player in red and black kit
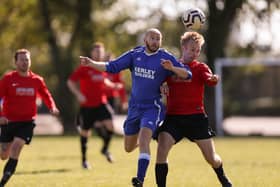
{"x": 186, "y": 116}
{"x": 19, "y": 90}
{"x": 88, "y": 85}
{"x": 116, "y": 97}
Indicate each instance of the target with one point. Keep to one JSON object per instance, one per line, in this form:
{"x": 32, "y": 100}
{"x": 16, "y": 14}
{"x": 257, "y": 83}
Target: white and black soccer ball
{"x": 193, "y": 18}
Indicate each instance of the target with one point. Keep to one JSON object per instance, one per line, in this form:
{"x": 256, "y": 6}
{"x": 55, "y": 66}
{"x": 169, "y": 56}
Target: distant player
{"x": 116, "y": 98}
{"x": 150, "y": 66}
{"x": 88, "y": 85}
{"x": 19, "y": 90}
{"x": 186, "y": 116}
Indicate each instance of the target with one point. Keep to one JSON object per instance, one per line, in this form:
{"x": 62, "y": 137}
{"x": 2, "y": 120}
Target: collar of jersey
{"x": 150, "y": 54}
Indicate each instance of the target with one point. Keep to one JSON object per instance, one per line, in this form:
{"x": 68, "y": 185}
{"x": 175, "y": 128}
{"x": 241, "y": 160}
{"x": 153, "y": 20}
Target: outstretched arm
{"x": 85, "y": 61}
{"x": 113, "y": 85}
{"x": 179, "y": 71}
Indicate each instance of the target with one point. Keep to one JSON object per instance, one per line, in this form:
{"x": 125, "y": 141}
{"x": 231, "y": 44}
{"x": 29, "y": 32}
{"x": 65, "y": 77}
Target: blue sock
{"x": 143, "y": 163}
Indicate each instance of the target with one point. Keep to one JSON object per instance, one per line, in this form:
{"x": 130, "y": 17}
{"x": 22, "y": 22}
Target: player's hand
{"x": 214, "y": 78}
{"x": 167, "y": 64}
{"x": 81, "y": 98}
{"x": 85, "y": 60}
{"x": 118, "y": 86}
{"x": 54, "y": 111}
{"x": 164, "y": 89}
{"x": 3, "y": 120}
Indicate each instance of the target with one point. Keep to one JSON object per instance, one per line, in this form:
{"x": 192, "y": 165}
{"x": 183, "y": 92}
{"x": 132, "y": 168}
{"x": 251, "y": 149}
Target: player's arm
{"x": 73, "y": 87}
{"x": 47, "y": 98}
{"x": 164, "y": 89}
{"x": 113, "y": 85}
{"x": 179, "y": 71}
{"x": 209, "y": 78}
{"x": 125, "y": 61}
{"x": 3, "y": 120}
{"x": 101, "y": 66}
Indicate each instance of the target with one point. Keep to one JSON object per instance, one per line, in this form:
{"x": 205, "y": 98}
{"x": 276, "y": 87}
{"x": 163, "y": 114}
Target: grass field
{"x": 55, "y": 162}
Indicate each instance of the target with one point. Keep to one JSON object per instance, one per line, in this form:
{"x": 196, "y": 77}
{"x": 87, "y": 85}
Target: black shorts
{"x": 89, "y": 115}
{"x": 193, "y": 127}
{"x": 20, "y": 129}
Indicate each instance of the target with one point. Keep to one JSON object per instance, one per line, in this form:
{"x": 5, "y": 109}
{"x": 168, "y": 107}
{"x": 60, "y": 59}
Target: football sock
{"x": 143, "y": 163}
{"x": 107, "y": 140}
{"x": 106, "y": 136}
{"x": 83, "y": 147}
{"x": 221, "y": 175}
{"x": 161, "y": 171}
{"x": 9, "y": 170}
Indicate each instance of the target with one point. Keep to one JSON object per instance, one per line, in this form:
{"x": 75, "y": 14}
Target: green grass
{"x": 55, "y": 162}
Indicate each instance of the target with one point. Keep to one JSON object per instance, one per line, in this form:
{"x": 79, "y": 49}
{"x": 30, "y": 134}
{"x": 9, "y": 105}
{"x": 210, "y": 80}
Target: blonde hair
{"x": 192, "y": 36}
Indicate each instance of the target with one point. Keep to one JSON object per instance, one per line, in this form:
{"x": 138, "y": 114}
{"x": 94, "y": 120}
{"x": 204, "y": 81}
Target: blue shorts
{"x": 144, "y": 115}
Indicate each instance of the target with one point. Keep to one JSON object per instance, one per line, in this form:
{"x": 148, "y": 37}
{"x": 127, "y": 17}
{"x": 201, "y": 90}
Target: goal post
{"x": 221, "y": 63}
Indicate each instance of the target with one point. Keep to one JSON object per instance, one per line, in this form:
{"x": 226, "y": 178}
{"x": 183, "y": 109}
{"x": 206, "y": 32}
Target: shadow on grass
{"x": 42, "y": 171}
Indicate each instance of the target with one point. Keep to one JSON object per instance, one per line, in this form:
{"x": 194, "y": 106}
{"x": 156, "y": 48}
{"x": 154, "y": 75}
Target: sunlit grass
{"x": 55, "y": 162}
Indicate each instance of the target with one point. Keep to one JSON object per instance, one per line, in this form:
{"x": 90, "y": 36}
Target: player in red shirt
{"x": 88, "y": 85}
{"x": 116, "y": 98}
{"x": 19, "y": 90}
{"x": 186, "y": 116}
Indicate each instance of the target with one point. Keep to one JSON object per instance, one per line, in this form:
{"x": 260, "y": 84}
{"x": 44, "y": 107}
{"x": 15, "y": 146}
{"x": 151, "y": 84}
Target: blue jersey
{"x": 147, "y": 73}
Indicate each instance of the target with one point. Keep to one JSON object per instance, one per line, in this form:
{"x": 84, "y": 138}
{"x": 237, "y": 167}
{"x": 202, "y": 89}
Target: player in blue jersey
{"x": 150, "y": 65}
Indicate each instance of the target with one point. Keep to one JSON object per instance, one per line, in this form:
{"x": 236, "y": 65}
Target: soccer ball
{"x": 193, "y": 18}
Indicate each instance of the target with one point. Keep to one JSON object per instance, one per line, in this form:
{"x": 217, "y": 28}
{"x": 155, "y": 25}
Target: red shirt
{"x": 111, "y": 92}
{"x": 186, "y": 96}
{"x": 91, "y": 85}
{"x": 19, "y": 95}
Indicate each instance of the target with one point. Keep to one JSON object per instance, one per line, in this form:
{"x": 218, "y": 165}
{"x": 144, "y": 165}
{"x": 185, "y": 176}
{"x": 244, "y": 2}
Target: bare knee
{"x": 129, "y": 149}
{"x": 4, "y": 156}
{"x": 130, "y": 143}
{"x": 215, "y": 160}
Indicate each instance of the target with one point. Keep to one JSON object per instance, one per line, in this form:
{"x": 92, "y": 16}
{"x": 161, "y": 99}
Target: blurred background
{"x": 244, "y": 31}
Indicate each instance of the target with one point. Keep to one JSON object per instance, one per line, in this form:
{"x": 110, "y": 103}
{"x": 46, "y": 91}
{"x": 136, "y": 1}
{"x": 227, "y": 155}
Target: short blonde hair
{"x": 192, "y": 36}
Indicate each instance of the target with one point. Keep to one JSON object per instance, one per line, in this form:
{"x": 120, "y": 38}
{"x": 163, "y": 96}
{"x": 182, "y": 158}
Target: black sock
{"x": 106, "y": 136}
{"x": 107, "y": 141}
{"x": 221, "y": 175}
{"x": 161, "y": 171}
{"x": 83, "y": 147}
{"x": 9, "y": 170}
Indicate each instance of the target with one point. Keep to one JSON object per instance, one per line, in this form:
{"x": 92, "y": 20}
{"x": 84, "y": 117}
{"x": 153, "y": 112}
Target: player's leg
{"x": 11, "y": 164}
{"x": 151, "y": 117}
{"x": 5, "y": 142}
{"x": 84, "y": 135}
{"x": 131, "y": 129}
{"x": 145, "y": 136}
{"x": 105, "y": 130}
{"x": 85, "y": 123}
{"x": 22, "y": 133}
{"x": 207, "y": 148}
{"x": 169, "y": 133}
{"x": 130, "y": 142}
{"x": 5, "y": 149}
{"x": 165, "y": 143}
